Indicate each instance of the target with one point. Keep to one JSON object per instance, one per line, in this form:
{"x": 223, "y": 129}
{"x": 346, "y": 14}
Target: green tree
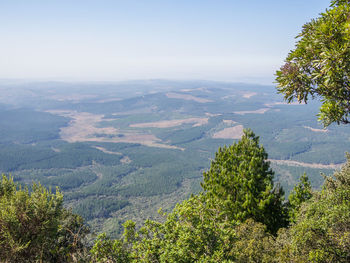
{"x": 254, "y": 244}
{"x": 240, "y": 181}
{"x": 107, "y": 250}
{"x": 192, "y": 232}
{"x": 321, "y": 232}
{"x": 34, "y": 226}
{"x": 319, "y": 66}
{"x": 212, "y": 226}
{"x": 300, "y": 193}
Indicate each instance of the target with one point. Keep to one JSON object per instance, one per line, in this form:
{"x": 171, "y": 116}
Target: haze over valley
{"x": 122, "y": 150}
{"x": 175, "y": 131}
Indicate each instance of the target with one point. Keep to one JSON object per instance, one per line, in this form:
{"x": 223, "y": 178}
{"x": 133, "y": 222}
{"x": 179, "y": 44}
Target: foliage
{"x": 320, "y": 64}
{"x": 204, "y": 229}
{"x": 240, "y": 180}
{"x": 35, "y": 227}
{"x": 207, "y": 227}
{"x": 71, "y": 244}
{"x": 254, "y": 244}
{"x": 107, "y": 250}
{"x": 93, "y": 207}
{"x": 97, "y": 183}
{"x": 212, "y": 226}
{"x": 301, "y": 193}
{"x": 32, "y": 151}
{"x": 322, "y": 229}
{"x": 191, "y": 233}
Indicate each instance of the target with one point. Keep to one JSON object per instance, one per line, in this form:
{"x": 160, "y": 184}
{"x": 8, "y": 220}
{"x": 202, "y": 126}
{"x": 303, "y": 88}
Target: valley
{"x": 123, "y": 150}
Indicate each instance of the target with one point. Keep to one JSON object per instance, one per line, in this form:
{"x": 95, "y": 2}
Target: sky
{"x": 105, "y": 40}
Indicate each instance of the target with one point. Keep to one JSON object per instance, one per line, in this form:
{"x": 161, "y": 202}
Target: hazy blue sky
{"x": 231, "y": 40}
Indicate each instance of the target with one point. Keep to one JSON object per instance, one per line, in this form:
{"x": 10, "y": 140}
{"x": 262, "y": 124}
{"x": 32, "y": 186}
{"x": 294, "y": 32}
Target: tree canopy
{"x": 301, "y": 193}
{"x": 321, "y": 232}
{"x": 239, "y": 205}
{"x": 319, "y": 66}
{"x": 240, "y": 181}
{"x": 34, "y": 226}
{"x": 208, "y": 227}
{"x": 196, "y": 232}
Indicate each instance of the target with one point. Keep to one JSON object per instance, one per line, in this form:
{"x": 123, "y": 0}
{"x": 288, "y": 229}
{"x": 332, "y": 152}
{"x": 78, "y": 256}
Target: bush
{"x": 34, "y": 226}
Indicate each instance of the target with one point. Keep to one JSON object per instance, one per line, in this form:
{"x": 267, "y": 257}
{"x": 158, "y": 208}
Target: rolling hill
{"x": 123, "y": 150}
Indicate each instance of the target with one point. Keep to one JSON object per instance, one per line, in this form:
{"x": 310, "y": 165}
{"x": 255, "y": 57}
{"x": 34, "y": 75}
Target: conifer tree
{"x": 301, "y": 193}
{"x": 240, "y": 180}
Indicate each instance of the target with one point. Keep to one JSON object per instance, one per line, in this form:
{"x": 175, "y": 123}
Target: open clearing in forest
{"x": 247, "y": 95}
{"x": 315, "y": 130}
{"x": 235, "y": 132}
{"x": 172, "y": 95}
{"x": 75, "y": 97}
{"x": 259, "y": 111}
{"x": 309, "y": 165}
{"x": 283, "y": 103}
{"x": 82, "y": 128}
{"x": 171, "y": 123}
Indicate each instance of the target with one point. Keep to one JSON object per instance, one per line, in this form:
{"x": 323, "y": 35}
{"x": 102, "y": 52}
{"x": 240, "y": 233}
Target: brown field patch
{"x": 171, "y": 123}
{"x": 73, "y": 97}
{"x": 283, "y": 103}
{"x": 315, "y": 130}
{"x": 82, "y": 128}
{"x": 229, "y": 122}
{"x": 172, "y": 95}
{"x": 259, "y": 111}
{"x": 310, "y": 165}
{"x": 248, "y": 95}
{"x": 235, "y": 132}
{"x": 212, "y": 114}
{"x": 109, "y": 100}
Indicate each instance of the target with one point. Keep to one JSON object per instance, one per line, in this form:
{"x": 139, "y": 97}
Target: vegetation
{"x": 239, "y": 216}
{"x": 321, "y": 232}
{"x": 319, "y": 65}
{"x": 93, "y": 207}
{"x": 240, "y": 182}
{"x": 149, "y": 177}
{"x": 34, "y": 226}
{"x": 216, "y": 224}
{"x": 15, "y": 124}
{"x": 198, "y": 231}
{"x": 301, "y": 193}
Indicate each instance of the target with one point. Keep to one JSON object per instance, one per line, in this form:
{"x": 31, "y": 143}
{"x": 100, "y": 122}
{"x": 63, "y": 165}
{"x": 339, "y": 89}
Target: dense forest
{"x": 239, "y": 215}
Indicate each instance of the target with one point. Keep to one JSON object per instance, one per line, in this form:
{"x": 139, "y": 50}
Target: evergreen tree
{"x": 301, "y": 193}
{"x": 240, "y": 181}
{"x": 215, "y": 225}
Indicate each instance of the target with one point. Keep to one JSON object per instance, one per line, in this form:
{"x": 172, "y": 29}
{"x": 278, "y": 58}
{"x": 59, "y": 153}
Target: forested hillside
{"x": 104, "y": 160}
{"x": 114, "y": 154}
{"x": 239, "y": 216}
